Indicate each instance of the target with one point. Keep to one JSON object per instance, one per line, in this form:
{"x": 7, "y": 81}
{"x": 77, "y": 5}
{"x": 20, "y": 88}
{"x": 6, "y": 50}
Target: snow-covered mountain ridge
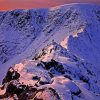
{"x": 19, "y": 28}
{"x": 56, "y": 51}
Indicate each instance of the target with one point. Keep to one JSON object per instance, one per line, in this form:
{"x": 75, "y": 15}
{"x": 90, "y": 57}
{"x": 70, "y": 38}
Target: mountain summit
{"x": 50, "y": 53}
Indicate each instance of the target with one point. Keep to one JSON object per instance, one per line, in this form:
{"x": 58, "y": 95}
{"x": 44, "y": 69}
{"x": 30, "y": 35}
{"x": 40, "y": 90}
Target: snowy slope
{"x": 19, "y": 28}
{"x": 28, "y": 37}
{"x": 57, "y": 74}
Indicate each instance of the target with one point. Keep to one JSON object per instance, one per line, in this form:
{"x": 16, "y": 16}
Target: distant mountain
{"x": 51, "y": 53}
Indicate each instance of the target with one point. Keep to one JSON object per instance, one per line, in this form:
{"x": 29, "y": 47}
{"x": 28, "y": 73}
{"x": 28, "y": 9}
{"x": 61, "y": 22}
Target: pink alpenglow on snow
{"x": 50, "y": 53}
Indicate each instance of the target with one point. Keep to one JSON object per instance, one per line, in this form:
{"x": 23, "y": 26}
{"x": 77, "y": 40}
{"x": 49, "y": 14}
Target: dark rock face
{"x": 11, "y": 75}
{"x": 77, "y": 92}
{"x": 36, "y": 78}
{"x": 84, "y": 79}
{"x": 53, "y": 69}
{"x": 52, "y": 64}
{"x": 24, "y": 92}
{"x": 67, "y": 76}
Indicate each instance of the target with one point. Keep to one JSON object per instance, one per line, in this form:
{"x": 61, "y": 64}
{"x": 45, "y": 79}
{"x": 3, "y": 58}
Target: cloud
{"x": 14, "y": 4}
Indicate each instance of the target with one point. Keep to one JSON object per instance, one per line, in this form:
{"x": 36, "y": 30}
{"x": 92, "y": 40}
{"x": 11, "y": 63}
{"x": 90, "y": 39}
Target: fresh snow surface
{"x": 68, "y": 34}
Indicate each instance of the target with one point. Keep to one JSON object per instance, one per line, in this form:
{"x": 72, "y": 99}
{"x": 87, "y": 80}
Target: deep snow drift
{"x": 54, "y": 53}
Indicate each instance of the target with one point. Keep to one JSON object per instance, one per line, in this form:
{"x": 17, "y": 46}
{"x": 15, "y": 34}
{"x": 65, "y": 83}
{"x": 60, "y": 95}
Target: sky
{"x": 28, "y": 4}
